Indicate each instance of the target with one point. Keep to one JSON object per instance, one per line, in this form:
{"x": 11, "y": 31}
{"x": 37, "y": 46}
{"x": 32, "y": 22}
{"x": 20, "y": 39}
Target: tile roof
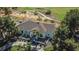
{"x": 30, "y": 25}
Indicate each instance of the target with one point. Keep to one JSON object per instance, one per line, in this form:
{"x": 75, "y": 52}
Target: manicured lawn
{"x": 60, "y": 12}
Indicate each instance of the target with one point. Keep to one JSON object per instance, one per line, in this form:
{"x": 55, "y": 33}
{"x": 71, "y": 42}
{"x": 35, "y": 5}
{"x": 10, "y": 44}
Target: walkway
{"x": 48, "y": 17}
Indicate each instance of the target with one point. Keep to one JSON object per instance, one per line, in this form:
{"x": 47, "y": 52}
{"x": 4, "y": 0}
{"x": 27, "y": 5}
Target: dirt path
{"x": 48, "y": 17}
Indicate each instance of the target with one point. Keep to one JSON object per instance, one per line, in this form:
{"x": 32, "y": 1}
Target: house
{"x": 42, "y": 27}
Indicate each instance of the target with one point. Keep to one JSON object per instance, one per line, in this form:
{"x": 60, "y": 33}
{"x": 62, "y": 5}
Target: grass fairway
{"x": 60, "y": 12}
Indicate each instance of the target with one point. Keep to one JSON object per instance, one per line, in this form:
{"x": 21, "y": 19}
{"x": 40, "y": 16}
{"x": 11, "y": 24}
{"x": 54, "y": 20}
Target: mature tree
{"x": 64, "y": 36}
{"x": 14, "y": 8}
{"x": 72, "y": 21}
{"x": 7, "y": 10}
{"x": 8, "y": 28}
{"x": 48, "y": 12}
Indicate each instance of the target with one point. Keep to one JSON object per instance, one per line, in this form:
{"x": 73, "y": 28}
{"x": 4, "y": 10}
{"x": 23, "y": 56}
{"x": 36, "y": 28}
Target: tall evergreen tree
{"x": 8, "y": 29}
{"x": 64, "y": 36}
